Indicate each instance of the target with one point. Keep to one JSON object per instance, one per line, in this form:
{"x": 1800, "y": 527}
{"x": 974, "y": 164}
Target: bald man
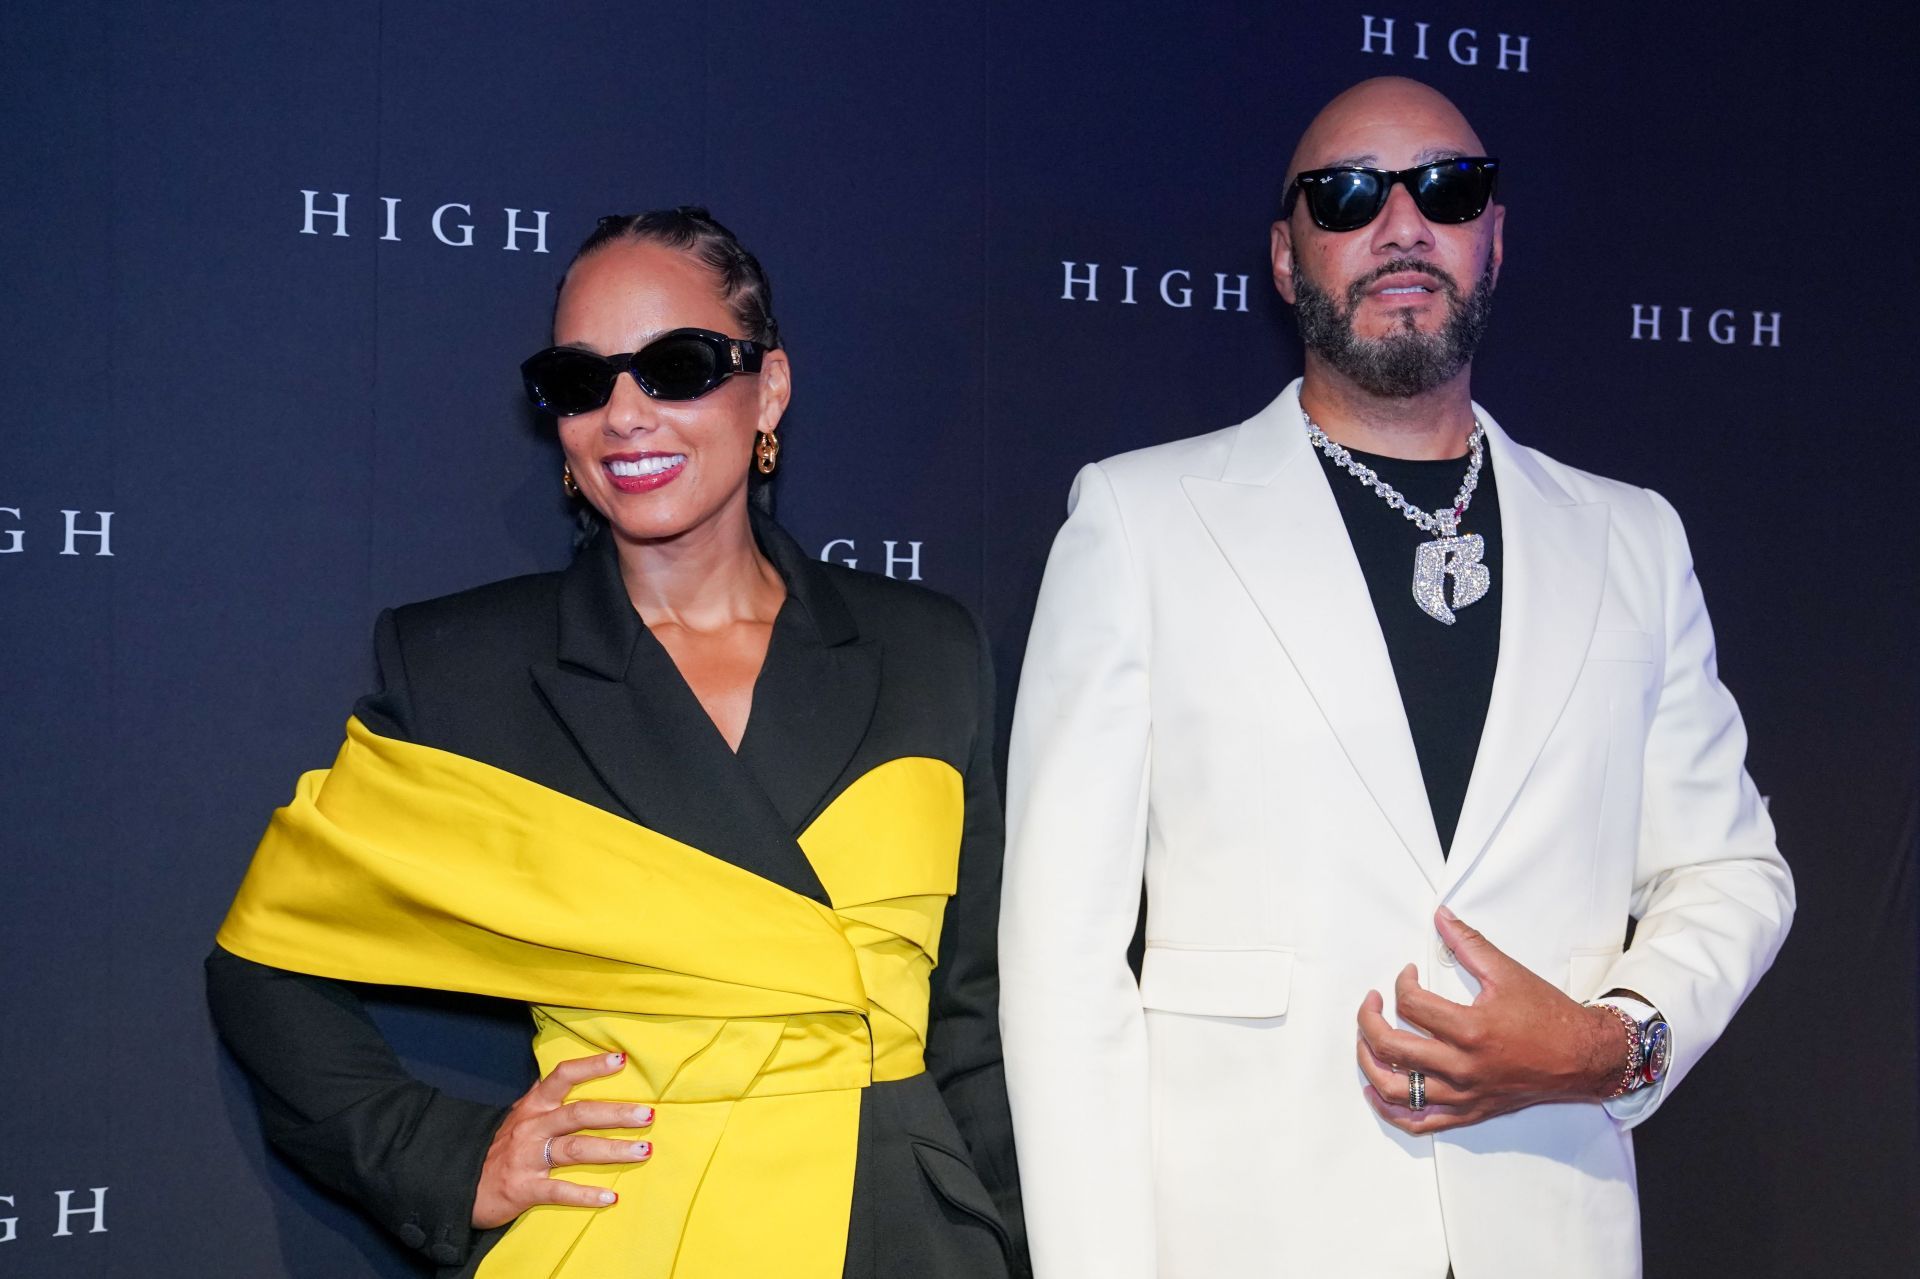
{"x": 1401, "y": 722}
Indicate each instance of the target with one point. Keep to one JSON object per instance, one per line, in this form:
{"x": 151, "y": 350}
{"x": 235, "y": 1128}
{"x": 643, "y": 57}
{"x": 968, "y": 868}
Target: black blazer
{"x": 555, "y": 678}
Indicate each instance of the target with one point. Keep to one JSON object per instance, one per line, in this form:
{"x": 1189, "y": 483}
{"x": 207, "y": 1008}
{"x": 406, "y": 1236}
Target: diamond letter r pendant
{"x": 1456, "y": 557}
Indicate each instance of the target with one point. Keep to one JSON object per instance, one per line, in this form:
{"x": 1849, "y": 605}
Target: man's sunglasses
{"x": 682, "y": 365}
{"x": 1347, "y": 198}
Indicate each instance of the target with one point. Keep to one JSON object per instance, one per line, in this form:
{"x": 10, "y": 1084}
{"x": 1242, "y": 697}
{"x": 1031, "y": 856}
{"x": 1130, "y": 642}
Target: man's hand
{"x": 1520, "y": 1043}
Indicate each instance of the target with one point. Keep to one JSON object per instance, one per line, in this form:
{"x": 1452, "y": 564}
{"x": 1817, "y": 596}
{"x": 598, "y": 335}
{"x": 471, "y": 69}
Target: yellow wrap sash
{"x": 751, "y": 1016}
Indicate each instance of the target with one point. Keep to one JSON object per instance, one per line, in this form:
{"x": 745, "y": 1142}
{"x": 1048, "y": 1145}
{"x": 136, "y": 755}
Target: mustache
{"x": 1358, "y": 289}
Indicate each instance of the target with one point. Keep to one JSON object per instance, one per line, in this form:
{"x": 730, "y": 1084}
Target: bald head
{"x": 1391, "y": 300}
{"x": 1387, "y": 123}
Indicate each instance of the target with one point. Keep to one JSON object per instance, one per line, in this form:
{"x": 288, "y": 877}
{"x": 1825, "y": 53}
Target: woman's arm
{"x": 963, "y": 1027}
{"x": 335, "y": 1100}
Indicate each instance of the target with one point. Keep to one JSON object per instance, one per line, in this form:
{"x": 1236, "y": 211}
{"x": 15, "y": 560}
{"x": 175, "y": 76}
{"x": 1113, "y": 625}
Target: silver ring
{"x": 1416, "y": 1090}
{"x": 546, "y": 1153}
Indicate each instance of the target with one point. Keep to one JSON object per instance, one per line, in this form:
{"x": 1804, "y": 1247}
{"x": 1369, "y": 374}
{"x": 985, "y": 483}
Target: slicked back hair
{"x": 744, "y": 287}
{"x": 691, "y": 229}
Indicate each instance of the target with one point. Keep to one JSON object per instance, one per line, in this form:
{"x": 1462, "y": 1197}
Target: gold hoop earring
{"x": 766, "y": 453}
{"x": 567, "y": 482}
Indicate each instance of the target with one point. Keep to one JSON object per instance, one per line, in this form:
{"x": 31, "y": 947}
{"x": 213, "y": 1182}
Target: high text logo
{"x": 844, "y": 550}
{"x": 91, "y": 529}
{"x": 1418, "y": 41}
{"x": 1082, "y": 282}
{"x": 1722, "y": 327}
{"x": 67, "y": 1214}
{"x": 328, "y": 215}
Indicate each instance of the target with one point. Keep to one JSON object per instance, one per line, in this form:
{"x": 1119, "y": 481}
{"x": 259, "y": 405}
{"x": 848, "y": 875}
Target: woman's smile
{"x": 642, "y": 472}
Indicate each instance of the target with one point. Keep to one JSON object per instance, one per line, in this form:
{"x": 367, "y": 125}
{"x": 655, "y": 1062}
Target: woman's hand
{"x": 543, "y": 1125}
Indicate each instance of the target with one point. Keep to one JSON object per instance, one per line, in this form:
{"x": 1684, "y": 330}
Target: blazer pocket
{"x": 1587, "y": 970}
{"x": 1217, "y": 983}
{"x": 1623, "y": 646}
{"x": 955, "y": 1181}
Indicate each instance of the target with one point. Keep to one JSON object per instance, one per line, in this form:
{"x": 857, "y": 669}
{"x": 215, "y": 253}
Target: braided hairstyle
{"x": 744, "y": 287}
{"x": 690, "y": 228}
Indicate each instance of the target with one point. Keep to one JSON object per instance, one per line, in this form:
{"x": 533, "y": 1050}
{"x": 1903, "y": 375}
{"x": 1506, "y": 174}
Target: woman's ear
{"x": 776, "y": 388}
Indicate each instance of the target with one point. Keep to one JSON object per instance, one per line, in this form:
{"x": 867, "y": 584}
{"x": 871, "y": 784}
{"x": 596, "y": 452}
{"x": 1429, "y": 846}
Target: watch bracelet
{"x": 1629, "y": 1077}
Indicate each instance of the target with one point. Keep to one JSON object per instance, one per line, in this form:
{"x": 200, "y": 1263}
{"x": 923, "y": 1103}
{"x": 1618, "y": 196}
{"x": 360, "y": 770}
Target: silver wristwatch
{"x": 1653, "y": 1042}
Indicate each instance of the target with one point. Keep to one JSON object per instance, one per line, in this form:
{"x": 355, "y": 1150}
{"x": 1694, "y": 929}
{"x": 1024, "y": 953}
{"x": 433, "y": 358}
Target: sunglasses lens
{"x": 568, "y": 382}
{"x": 679, "y": 368}
{"x": 1456, "y": 191}
{"x": 1346, "y": 199}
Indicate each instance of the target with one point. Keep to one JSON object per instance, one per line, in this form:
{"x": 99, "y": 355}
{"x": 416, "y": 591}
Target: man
{"x": 1341, "y": 681}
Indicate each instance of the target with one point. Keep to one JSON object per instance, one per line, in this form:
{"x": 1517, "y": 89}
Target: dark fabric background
{"x": 292, "y": 431}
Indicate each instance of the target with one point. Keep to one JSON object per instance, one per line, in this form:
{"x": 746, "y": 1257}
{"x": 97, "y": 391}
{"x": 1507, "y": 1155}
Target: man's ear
{"x": 1499, "y": 239}
{"x": 1282, "y": 249}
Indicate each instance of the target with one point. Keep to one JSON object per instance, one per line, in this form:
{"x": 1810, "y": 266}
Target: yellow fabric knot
{"x": 751, "y": 1016}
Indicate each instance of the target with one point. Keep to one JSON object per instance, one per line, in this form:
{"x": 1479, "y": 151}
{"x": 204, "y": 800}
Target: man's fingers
{"x": 576, "y": 1149}
{"x": 563, "y": 1078}
{"x": 551, "y": 1190}
{"x": 1393, "y": 1084}
{"x": 1434, "y": 1118}
{"x": 1402, "y": 1048}
{"x": 1385, "y": 1079}
{"x": 1372, "y": 1014}
{"x": 1374, "y": 1027}
{"x": 1476, "y": 954}
{"x": 576, "y": 1115}
{"x": 1433, "y": 1013}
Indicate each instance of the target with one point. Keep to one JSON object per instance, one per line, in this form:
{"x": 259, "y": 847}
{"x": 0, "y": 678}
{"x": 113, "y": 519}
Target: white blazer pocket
{"x": 1587, "y": 970}
{"x": 1210, "y": 982}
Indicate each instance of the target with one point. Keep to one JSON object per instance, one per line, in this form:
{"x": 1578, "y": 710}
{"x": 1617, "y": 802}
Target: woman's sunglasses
{"x": 682, "y": 365}
{"x": 1347, "y": 198}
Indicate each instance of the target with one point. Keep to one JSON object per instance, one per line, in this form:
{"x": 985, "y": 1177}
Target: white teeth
{"x": 1407, "y": 288}
{"x": 647, "y": 465}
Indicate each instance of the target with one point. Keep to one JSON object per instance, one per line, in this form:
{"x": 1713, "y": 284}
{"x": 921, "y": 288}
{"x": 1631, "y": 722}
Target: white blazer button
{"x": 1446, "y": 956}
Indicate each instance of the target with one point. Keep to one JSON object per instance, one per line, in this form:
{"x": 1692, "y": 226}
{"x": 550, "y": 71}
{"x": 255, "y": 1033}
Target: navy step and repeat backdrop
{"x": 266, "y": 272}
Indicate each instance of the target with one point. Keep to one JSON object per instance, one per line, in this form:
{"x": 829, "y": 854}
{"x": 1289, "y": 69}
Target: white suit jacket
{"x": 1207, "y": 700}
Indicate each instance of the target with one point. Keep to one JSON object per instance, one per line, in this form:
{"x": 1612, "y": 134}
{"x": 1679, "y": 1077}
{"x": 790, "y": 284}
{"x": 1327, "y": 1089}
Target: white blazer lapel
{"x": 1554, "y": 556}
{"x": 1274, "y": 519}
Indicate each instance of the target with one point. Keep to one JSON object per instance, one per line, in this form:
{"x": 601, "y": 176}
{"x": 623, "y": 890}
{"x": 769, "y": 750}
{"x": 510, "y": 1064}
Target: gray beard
{"x": 1406, "y": 362}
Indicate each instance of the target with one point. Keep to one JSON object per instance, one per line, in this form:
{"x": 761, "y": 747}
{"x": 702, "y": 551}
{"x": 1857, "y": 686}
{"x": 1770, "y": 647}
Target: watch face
{"x": 1656, "y": 1045}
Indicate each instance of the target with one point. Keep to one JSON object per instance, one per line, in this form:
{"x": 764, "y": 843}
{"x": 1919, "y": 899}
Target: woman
{"x": 725, "y": 816}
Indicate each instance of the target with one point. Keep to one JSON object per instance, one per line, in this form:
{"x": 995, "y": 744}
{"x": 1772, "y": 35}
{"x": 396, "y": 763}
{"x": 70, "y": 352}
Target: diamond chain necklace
{"x": 1450, "y": 554}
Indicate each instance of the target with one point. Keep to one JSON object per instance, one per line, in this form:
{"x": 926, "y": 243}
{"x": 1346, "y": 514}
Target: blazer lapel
{"x": 648, "y": 739}
{"x": 1274, "y": 519}
{"x": 1555, "y": 560}
{"x": 816, "y": 695}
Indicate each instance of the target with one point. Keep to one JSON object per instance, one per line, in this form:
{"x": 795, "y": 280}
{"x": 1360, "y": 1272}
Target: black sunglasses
{"x": 1347, "y": 198}
{"x": 682, "y": 365}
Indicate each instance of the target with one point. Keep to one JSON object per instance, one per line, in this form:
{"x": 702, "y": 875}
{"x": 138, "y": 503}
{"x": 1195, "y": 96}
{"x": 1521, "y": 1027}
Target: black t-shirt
{"x": 1445, "y": 672}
